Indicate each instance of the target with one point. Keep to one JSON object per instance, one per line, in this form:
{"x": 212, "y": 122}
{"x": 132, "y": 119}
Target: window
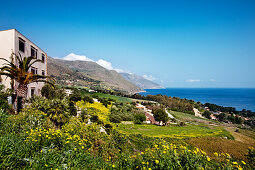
{"x": 33, "y": 52}
{"x": 32, "y": 91}
{"x": 43, "y": 58}
{"x": 34, "y": 70}
{"x": 21, "y": 45}
{"x": 43, "y": 72}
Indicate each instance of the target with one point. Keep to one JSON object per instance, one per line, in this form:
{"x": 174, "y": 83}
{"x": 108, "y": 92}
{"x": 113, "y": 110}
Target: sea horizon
{"x": 239, "y": 98}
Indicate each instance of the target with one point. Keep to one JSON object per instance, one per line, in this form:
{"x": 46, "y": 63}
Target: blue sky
{"x": 181, "y": 43}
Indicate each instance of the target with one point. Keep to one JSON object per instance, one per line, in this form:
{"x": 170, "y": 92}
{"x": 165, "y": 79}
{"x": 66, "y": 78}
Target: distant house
{"x": 68, "y": 91}
{"x": 213, "y": 117}
{"x": 12, "y": 41}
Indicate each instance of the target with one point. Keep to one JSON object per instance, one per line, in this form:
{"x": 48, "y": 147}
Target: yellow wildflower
{"x": 157, "y": 161}
{"x": 235, "y": 163}
{"x": 113, "y": 166}
{"x": 243, "y": 162}
{"x": 208, "y": 158}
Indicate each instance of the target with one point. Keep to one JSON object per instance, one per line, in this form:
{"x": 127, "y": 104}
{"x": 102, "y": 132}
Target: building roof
{"x": 25, "y": 37}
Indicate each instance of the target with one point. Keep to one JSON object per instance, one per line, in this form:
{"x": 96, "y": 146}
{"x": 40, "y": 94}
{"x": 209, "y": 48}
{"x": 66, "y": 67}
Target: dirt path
{"x": 240, "y": 137}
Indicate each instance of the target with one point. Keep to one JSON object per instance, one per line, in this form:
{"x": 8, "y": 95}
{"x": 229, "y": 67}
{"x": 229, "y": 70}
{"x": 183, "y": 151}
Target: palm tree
{"x": 21, "y": 74}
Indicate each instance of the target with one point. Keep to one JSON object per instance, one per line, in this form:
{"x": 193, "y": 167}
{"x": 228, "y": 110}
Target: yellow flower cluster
{"x": 162, "y": 149}
{"x": 57, "y": 136}
{"x": 100, "y": 110}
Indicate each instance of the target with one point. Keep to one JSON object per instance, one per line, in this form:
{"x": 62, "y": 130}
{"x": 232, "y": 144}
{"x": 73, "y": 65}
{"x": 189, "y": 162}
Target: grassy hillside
{"x": 52, "y": 134}
{"x": 175, "y": 131}
{"x": 103, "y": 95}
{"x": 90, "y": 74}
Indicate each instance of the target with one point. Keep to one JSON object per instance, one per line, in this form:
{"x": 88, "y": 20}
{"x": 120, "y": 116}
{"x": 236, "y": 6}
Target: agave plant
{"x": 21, "y": 73}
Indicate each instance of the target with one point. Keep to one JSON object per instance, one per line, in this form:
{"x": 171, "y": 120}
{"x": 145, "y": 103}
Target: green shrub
{"x": 3, "y": 98}
{"x": 115, "y": 118}
{"x": 56, "y": 110}
{"x": 139, "y": 118}
{"x": 29, "y": 118}
{"x": 51, "y": 92}
{"x": 160, "y": 115}
{"x": 251, "y": 156}
{"x": 207, "y": 114}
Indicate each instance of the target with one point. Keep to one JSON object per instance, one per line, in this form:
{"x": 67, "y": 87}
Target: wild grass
{"x": 178, "y": 132}
{"x": 210, "y": 145}
{"x": 117, "y": 98}
{"x": 192, "y": 118}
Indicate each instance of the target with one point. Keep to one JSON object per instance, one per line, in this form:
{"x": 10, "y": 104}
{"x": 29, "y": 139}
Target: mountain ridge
{"x": 141, "y": 81}
{"x": 88, "y": 73}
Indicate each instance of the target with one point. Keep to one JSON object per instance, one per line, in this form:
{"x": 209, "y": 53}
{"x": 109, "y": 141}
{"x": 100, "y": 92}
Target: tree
{"x": 160, "y": 115}
{"x": 51, "y": 92}
{"x": 139, "y": 118}
{"x": 21, "y": 74}
{"x": 222, "y": 116}
{"x": 207, "y": 114}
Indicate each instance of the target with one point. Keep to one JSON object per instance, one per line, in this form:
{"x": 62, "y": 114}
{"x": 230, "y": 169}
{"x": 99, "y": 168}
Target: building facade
{"x": 12, "y": 41}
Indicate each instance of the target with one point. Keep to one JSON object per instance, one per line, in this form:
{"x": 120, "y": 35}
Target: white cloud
{"x": 149, "y": 77}
{"x": 212, "y": 80}
{"x": 73, "y": 57}
{"x": 101, "y": 62}
{"x": 105, "y": 64}
{"x": 119, "y": 70}
{"x": 193, "y": 80}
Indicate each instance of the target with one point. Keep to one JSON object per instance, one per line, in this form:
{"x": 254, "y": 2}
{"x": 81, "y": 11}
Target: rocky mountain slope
{"x": 140, "y": 81}
{"x": 87, "y": 73}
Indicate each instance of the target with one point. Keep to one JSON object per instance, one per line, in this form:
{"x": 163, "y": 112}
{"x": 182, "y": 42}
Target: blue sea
{"x": 240, "y": 98}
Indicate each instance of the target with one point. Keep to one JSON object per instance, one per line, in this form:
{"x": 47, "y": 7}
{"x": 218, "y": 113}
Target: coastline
{"x": 239, "y": 98}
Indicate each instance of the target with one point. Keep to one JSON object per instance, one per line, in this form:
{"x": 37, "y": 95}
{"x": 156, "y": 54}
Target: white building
{"x": 12, "y": 41}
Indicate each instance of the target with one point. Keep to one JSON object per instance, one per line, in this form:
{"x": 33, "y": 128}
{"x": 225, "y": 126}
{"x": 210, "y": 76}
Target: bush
{"x": 115, "y": 118}
{"x": 29, "y": 118}
{"x": 75, "y": 96}
{"x": 88, "y": 99}
{"x": 160, "y": 115}
{"x": 51, "y": 92}
{"x": 139, "y": 118}
{"x": 207, "y": 114}
{"x": 3, "y": 98}
{"x": 56, "y": 110}
{"x": 251, "y": 156}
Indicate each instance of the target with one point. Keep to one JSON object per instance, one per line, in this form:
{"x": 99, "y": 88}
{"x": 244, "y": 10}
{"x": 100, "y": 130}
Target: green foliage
{"x": 75, "y": 96}
{"x": 29, "y": 118}
{"x": 207, "y": 114}
{"x": 222, "y": 117}
{"x": 72, "y": 108}
{"x": 251, "y": 156}
{"x": 88, "y": 99}
{"x": 115, "y": 118}
{"x": 122, "y": 112}
{"x": 51, "y": 92}
{"x": 3, "y": 98}
{"x": 174, "y": 103}
{"x": 160, "y": 115}
{"x": 139, "y": 118}
{"x": 56, "y": 110}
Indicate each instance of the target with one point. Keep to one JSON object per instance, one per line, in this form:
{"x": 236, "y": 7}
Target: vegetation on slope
{"x": 51, "y": 133}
